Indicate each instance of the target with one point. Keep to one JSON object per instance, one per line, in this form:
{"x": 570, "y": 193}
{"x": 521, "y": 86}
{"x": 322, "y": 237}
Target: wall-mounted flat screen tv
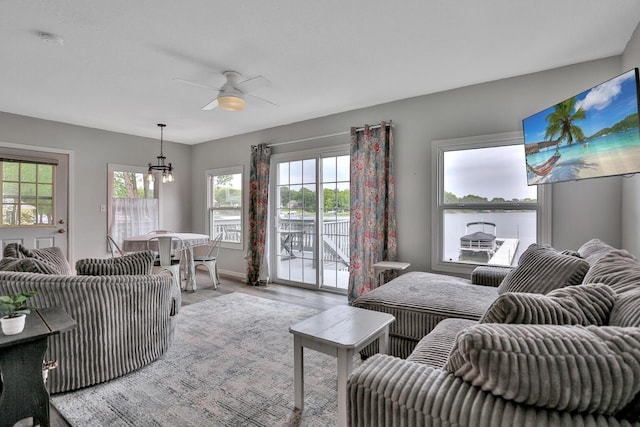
{"x": 592, "y": 134}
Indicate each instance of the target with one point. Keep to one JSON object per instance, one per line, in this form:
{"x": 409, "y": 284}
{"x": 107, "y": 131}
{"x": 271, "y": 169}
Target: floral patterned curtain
{"x": 257, "y": 266}
{"x": 373, "y": 210}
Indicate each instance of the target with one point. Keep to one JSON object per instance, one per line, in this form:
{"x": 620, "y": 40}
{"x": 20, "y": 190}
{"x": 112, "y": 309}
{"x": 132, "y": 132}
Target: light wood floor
{"x": 292, "y": 295}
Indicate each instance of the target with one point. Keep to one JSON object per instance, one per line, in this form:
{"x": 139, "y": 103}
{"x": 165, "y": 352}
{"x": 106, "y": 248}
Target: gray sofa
{"x": 125, "y": 321}
{"x": 557, "y": 342}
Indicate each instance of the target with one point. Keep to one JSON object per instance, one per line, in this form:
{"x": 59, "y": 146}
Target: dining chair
{"x": 165, "y": 260}
{"x": 210, "y": 260}
{"x": 113, "y": 247}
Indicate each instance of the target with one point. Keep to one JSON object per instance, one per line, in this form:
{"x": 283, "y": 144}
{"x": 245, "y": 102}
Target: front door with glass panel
{"x": 310, "y": 233}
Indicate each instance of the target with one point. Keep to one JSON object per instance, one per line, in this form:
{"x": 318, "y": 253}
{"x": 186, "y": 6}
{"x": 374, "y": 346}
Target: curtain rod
{"x": 311, "y": 138}
{"x": 307, "y": 139}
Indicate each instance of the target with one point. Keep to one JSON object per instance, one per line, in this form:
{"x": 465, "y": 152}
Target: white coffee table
{"x": 341, "y": 331}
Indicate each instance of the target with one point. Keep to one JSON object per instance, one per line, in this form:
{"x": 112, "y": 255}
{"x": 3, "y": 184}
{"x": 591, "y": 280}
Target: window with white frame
{"x": 27, "y": 192}
{"x": 224, "y": 205}
{"x": 133, "y": 205}
{"x": 483, "y": 210}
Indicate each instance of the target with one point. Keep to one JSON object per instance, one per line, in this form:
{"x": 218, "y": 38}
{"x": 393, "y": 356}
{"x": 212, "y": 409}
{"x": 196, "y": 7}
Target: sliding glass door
{"x": 310, "y": 233}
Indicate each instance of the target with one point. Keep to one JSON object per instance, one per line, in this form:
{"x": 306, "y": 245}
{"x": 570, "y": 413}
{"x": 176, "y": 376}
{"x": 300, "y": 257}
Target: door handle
{"x": 62, "y": 231}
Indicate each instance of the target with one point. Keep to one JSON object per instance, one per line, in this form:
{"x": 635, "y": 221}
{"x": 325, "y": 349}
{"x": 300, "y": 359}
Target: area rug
{"x": 230, "y": 365}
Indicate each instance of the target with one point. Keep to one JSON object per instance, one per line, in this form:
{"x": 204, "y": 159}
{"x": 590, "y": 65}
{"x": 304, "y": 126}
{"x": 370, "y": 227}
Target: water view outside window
{"x": 488, "y": 211}
{"x": 225, "y": 206}
{"x": 337, "y": 203}
{"x": 297, "y": 206}
{"x": 27, "y": 193}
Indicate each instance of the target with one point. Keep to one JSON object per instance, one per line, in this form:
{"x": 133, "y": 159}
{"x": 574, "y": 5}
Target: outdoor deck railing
{"x": 335, "y": 234}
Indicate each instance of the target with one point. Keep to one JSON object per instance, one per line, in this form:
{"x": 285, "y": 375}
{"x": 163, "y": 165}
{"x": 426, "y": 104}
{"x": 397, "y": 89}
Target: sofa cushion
{"x": 592, "y": 369}
{"x": 52, "y": 255}
{"x": 28, "y": 265}
{"x": 626, "y": 310}
{"x": 618, "y": 269}
{"x": 129, "y": 264}
{"x": 541, "y": 269}
{"x": 420, "y": 300}
{"x": 593, "y": 250}
{"x": 572, "y": 305}
{"x": 434, "y": 348}
{"x": 489, "y": 275}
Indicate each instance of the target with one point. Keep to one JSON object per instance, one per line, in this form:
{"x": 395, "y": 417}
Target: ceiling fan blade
{"x": 262, "y": 99}
{"x": 210, "y": 106}
{"x": 189, "y": 82}
{"x": 253, "y": 83}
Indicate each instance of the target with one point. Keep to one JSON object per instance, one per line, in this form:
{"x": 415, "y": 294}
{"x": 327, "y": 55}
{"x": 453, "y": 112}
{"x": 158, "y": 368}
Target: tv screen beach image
{"x": 592, "y": 134}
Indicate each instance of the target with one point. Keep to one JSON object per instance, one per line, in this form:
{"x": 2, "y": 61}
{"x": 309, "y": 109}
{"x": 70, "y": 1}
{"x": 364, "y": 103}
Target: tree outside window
{"x": 27, "y": 193}
{"x": 484, "y": 211}
{"x": 134, "y": 203}
{"x": 224, "y": 188}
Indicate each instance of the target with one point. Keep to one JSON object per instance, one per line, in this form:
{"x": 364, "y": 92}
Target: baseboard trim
{"x": 233, "y": 274}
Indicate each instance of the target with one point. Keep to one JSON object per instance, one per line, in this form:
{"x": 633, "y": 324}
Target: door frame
{"x": 70, "y": 186}
{"x": 274, "y": 242}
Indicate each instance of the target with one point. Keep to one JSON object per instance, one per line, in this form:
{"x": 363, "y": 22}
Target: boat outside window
{"x": 484, "y": 212}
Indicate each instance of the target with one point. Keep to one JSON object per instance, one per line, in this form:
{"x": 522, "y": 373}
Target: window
{"x": 483, "y": 210}
{"x": 27, "y": 193}
{"x": 224, "y": 196}
{"x": 134, "y": 202}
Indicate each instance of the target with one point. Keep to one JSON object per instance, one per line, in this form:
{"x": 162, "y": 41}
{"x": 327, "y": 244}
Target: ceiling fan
{"x": 232, "y": 95}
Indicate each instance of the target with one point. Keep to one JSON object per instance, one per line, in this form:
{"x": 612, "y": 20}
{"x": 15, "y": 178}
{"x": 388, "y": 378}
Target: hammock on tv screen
{"x": 546, "y": 167}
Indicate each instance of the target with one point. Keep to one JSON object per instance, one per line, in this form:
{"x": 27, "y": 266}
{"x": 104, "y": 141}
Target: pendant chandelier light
{"x": 167, "y": 170}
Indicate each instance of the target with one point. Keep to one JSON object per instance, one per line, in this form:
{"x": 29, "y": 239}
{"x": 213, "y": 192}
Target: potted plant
{"x": 14, "y": 309}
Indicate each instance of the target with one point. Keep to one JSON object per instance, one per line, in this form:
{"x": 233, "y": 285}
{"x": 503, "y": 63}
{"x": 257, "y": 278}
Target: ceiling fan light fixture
{"x": 231, "y": 102}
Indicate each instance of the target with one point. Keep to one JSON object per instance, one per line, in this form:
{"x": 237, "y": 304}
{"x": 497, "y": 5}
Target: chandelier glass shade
{"x": 165, "y": 169}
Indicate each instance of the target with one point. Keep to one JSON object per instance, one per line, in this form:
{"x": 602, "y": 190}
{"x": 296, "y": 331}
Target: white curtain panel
{"x": 132, "y": 217}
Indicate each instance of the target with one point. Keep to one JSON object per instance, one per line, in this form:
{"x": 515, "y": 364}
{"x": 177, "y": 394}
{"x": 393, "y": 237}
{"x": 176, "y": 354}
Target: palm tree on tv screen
{"x": 561, "y": 123}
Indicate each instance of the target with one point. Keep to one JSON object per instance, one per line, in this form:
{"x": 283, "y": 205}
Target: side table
{"x": 341, "y": 332}
{"x": 23, "y": 393}
{"x": 382, "y": 266}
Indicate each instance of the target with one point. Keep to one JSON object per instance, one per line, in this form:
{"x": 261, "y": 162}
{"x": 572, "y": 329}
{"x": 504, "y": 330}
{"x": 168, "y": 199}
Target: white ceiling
{"x": 117, "y": 66}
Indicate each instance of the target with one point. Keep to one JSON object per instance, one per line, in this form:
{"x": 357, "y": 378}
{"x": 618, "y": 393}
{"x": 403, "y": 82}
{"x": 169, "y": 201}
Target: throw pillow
{"x": 618, "y": 269}
{"x": 592, "y": 369}
{"x": 626, "y": 310}
{"x": 13, "y": 250}
{"x": 52, "y": 255}
{"x": 129, "y": 264}
{"x": 542, "y": 269}
{"x": 28, "y": 265}
{"x": 489, "y": 275}
{"x": 594, "y": 249}
{"x": 572, "y": 305}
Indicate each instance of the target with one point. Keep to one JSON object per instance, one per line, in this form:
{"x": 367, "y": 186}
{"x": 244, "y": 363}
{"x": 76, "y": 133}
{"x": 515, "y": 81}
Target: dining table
{"x": 183, "y": 242}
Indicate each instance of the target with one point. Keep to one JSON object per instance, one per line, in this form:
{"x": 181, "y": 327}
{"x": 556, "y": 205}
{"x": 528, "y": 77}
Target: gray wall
{"x": 631, "y": 186}
{"x": 581, "y": 210}
{"x": 93, "y": 149}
